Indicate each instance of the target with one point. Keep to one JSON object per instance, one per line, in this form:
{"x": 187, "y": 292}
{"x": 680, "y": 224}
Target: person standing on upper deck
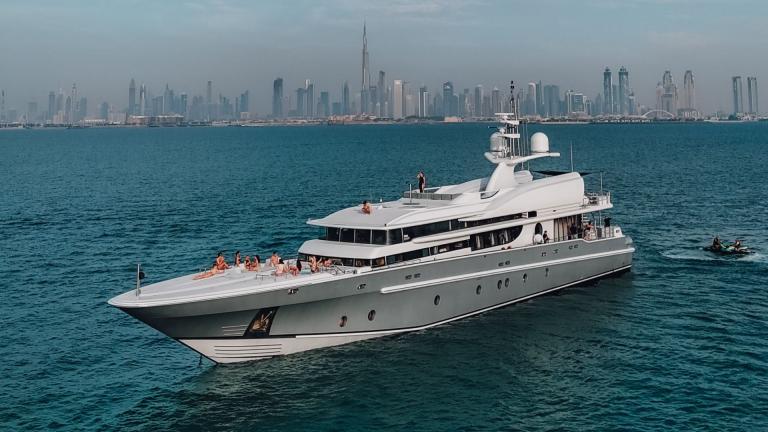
{"x": 422, "y": 181}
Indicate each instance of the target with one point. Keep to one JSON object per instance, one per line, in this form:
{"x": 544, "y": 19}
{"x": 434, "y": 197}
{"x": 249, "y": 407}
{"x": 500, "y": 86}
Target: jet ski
{"x": 728, "y": 249}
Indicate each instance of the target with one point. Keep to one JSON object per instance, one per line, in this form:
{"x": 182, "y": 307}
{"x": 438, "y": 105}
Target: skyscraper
{"x": 669, "y": 94}
{"x": 623, "y": 91}
{"x": 383, "y": 97}
{"x": 752, "y": 95}
{"x": 277, "y": 98}
{"x": 51, "y": 106}
{"x": 447, "y": 98}
{"x": 2, "y": 105}
{"x": 495, "y": 101}
{"x": 738, "y": 96}
{"x": 398, "y": 109}
{"x": 607, "y": 91}
{"x": 143, "y": 100}
{"x": 689, "y": 91}
{"x": 132, "y": 97}
{"x": 530, "y": 99}
{"x": 208, "y": 101}
{"x": 345, "y": 109}
{"x": 301, "y": 99}
{"x": 423, "y": 101}
{"x": 478, "y": 100}
{"x": 325, "y": 104}
{"x": 310, "y": 104}
{"x": 366, "y": 78}
{"x": 551, "y": 101}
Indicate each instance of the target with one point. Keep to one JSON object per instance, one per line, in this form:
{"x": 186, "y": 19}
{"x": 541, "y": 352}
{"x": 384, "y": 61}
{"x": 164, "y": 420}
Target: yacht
{"x": 430, "y": 257}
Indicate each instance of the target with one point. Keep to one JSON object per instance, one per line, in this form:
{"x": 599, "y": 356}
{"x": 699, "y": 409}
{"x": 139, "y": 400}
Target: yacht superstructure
{"x": 428, "y": 258}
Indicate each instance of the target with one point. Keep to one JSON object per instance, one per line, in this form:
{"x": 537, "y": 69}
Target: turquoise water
{"x": 680, "y": 343}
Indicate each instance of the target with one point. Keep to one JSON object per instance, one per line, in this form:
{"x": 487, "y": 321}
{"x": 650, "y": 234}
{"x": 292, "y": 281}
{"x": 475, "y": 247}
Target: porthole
{"x": 371, "y": 315}
{"x": 437, "y": 300}
{"x": 478, "y": 289}
{"x": 506, "y": 282}
{"x": 498, "y": 284}
{"x": 343, "y": 321}
{"x": 525, "y": 277}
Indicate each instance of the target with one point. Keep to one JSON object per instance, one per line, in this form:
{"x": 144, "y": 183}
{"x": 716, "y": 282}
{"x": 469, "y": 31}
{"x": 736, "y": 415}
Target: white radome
{"x": 497, "y": 143}
{"x": 539, "y": 143}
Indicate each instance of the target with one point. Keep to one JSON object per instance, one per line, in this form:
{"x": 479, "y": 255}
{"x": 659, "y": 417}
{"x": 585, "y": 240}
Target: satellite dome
{"x": 539, "y": 143}
{"x": 497, "y": 143}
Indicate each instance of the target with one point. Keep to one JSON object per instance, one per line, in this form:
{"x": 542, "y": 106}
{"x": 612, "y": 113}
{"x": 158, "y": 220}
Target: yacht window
{"x": 347, "y": 235}
{"x": 379, "y": 237}
{"x": 348, "y": 262}
{"x": 362, "y": 263}
{"x": 456, "y": 225}
{"x": 332, "y": 234}
{"x": 496, "y": 237}
{"x": 379, "y": 262}
{"x": 363, "y": 236}
{"x": 395, "y": 236}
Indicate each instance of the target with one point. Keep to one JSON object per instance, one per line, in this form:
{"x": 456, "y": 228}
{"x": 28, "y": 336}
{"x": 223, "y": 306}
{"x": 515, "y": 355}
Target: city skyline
{"x": 329, "y": 65}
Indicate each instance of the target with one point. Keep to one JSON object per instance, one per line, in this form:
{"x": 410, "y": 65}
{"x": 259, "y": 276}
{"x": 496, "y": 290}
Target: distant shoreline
{"x": 301, "y": 123}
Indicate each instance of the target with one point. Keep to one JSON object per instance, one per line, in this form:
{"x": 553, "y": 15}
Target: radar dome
{"x": 497, "y": 143}
{"x": 539, "y": 143}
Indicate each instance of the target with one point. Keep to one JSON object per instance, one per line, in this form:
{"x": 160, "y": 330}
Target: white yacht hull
{"x": 305, "y": 326}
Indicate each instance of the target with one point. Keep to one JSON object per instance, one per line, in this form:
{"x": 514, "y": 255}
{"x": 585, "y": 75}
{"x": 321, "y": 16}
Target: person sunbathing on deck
{"x": 218, "y": 267}
{"x": 255, "y": 263}
{"x": 295, "y": 269}
{"x": 366, "y": 207}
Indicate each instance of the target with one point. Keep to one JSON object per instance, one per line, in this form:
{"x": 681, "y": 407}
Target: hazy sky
{"x": 244, "y": 45}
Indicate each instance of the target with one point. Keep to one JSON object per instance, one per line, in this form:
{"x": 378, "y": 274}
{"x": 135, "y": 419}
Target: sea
{"x": 680, "y": 343}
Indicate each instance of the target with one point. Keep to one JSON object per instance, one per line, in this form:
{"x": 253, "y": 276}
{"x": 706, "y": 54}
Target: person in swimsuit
{"x": 247, "y": 262}
{"x": 256, "y": 263}
{"x": 366, "y": 207}
{"x": 237, "y": 259}
{"x": 274, "y": 260}
{"x": 313, "y": 264}
{"x": 280, "y": 268}
{"x": 218, "y": 267}
{"x": 422, "y": 179}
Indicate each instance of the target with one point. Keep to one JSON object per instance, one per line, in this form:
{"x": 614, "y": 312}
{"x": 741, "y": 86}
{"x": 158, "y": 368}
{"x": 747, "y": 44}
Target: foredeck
{"x": 233, "y": 281}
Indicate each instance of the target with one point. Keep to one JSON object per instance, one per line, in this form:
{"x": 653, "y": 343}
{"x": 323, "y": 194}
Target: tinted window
{"x": 363, "y": 236}
{"x": 395, "y": 236}
{"x": 332, "y": 234}
{"x": 347, "y": 235}
{"x": 379, "y": 237}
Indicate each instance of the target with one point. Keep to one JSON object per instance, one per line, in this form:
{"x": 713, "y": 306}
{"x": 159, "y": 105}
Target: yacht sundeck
{"x": 425, "y": 259}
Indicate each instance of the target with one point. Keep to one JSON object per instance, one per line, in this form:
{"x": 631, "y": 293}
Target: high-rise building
{"x": 478, "y": 100}
{"x": 539, "y": 99}
{"x": 277, "y": 98}
{"x": 447, "y": 99}
{"x": 738, "y": 96}
{"x": 383, "y": 97}
{"x": 104, "y": 111}
{"x": 310, "y": 93}
{"x": 143, "y": 100}
{"x": 301, "y": 99}
{"x": 51, "y": 106}
{"x": 689, "y": 91}
{"x": 623, "y": 91}
{"x": 209, "y": 93}
{"x": 366, "y": 78}
{"x": 244, "y": 105}
{"x": 2, "y": 106}
{"x": 495, "y": 101}
{"x": 132, "y": 97}
{"x": 669, "y": 94}
{"x": 398, "y": 109}
{"x": 754, "y": 109}
{"x": 575, "y": 103}
{"x": 325, "y": 104}
{"x": 423, "y": 102}
{"x": 607, "y": 91}
{"x": 182, "y": 109}
{"x": 551, "y": 101}
{"x": 345, "y": 108}
{"x": 530, "y": 99}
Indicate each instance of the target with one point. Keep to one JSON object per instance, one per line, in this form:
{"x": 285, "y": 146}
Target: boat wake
{"x": 700, "y": 254}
